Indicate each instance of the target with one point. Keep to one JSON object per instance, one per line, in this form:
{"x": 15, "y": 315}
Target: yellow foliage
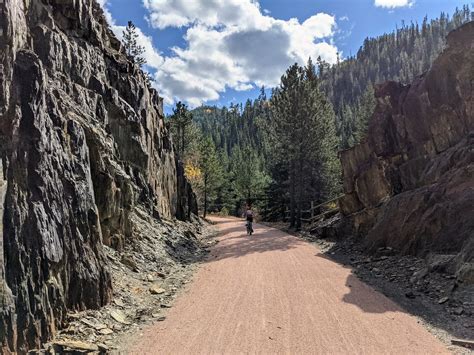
{"x": 192, "y": 172}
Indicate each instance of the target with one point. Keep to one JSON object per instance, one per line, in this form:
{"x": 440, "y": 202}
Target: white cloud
{"x": 179, "y": 13}
{"x": 393, "y": 3}
{"x": 229, "y": 44}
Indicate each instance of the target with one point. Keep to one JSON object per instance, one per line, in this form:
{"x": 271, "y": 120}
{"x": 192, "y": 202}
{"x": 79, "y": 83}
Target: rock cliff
{"x": 410, "y": 185}
{"x": 82, "y": 141}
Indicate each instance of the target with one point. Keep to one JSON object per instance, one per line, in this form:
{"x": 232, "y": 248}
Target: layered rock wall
{"x": 410, "y": 185}
{"x": 82, "y": 142}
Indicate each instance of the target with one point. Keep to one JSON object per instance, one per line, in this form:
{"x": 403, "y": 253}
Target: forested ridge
{"x": 256, "y": 147}
{"x": 399, "y": 56}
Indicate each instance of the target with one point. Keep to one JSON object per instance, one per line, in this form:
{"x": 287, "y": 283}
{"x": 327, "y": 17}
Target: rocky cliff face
{"x": 410, "y": 186}
{"x": 82, "y": 142}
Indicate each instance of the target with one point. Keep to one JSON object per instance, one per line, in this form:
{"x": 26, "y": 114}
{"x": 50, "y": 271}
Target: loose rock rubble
{"x": 147, "y": 276}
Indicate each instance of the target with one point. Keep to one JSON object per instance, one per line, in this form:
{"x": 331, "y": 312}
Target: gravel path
{"x": 273, "y": 293}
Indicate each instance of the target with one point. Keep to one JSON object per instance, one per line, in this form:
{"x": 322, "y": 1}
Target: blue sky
{"x": 221, "y": 51}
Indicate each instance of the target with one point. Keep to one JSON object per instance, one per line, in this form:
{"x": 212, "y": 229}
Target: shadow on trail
{"x": 234, "y": 241}
{"x": 358, "y": 293}
{"x": 400, "y": 302}
{"x": 357, "y": 297}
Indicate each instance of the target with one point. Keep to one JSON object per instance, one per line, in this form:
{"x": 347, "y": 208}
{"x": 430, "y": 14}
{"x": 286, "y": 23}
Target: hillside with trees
{"x": 400, "y": 56}
{"x": 257, "y": 140}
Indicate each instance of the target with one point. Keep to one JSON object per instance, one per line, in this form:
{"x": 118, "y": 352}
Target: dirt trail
{"x": 273, "y": 293}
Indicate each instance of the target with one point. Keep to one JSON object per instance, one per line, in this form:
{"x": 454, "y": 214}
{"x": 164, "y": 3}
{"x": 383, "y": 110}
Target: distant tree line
{"x": 280, "y": 151}
{"x": 401, "y": 55}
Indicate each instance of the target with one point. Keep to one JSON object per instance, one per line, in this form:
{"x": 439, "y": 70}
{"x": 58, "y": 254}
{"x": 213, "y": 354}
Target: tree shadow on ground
{"x": 236, "y": 243}
{"x": 399, "y": 302}
{"x": 376, "y": 303}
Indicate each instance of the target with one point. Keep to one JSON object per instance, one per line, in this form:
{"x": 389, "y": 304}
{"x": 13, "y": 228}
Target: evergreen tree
{"x": 211, "y": 171}
{"x": 304, "y": 139}
{"x": 134, "y": 51}
{"x": 365, "y": 110}
{"x": 130, "y": 42}
{"x": 181, "y": 126}
{"x": 249, "y": 174}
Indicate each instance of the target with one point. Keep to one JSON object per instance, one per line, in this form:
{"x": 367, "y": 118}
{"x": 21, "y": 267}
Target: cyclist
{"x": 249, "y": 218}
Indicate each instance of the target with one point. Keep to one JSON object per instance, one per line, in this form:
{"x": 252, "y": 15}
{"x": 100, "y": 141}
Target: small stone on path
{"x": 119, "y": 302}
{"x": 443, "y": 300}
{"x": 119, "y": 316}
{"x": 156, "y": 289}
{"x": 76, "y": 345}
{"x": 461, "y": 342}
{"x": 106, "y": 331}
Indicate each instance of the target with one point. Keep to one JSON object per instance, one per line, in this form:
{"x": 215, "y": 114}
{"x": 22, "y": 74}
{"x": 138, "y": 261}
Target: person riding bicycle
{"x": 249, "y": 218}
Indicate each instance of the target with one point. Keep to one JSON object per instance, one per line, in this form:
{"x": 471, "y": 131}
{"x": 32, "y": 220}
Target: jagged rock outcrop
{"x": 83, "y": 141}
{"x": 410, "y": 185}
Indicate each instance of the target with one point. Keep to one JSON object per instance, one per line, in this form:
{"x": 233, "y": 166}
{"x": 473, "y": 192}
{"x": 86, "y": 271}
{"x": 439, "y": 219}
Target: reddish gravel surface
{"x": 273, "y": 293}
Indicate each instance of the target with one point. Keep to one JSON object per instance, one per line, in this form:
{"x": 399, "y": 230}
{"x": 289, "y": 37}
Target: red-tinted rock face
{"x": 82, "y": 142}
{"x": 411, "y": 184}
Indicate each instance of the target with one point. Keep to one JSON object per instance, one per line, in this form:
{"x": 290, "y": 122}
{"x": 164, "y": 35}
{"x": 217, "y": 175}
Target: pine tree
{"x": 365, "y": 110}
{"x": 130, "y": 42}
{"x": 211, "y": 171}
{"x": 250, "y": 178}
{"x": 181, "y": 122}
{"x": 304, "y": 139}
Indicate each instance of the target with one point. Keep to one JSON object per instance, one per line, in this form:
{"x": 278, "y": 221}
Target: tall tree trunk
{"x": 298, "y": 217}
{"x": 299, "y": 193}
{"x": 292, "y": 194}
{"x": 205, "y": 198}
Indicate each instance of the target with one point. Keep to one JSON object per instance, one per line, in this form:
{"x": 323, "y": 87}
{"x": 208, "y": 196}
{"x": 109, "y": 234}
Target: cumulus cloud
{"x": 393, "y": 3}
{"x": 229, "y": 44}
{"x": 179, "y": 13}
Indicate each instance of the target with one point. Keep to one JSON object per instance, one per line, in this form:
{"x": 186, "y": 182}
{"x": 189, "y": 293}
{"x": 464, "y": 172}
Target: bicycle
{"x": 249, "y": 228}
